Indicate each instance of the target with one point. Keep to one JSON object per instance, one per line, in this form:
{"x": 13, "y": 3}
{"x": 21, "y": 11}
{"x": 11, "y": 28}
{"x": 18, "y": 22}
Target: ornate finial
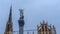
{"x": 21, "y": 20}
{"x": 21, "y": 13}
{"x": 50, "y": 26}
{"x": 37, "y": 26}
{"x": 54, "y": 29}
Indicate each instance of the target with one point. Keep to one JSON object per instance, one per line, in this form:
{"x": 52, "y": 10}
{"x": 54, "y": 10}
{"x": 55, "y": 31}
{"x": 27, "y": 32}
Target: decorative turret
{"x": 54, "y": 29}
{"x": 21, "y": 21}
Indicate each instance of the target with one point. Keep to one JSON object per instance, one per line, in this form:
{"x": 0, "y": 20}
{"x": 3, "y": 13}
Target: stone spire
{"x": 10, "y": 15}
{"x": 9, "y": 28}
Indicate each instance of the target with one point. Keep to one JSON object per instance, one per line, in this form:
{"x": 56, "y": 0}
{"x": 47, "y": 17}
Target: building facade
{"x": 44, "y": 28}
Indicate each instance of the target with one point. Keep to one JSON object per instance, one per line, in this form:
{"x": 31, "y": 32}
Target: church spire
{"x": 9, "y": 25}
{"x": 10, "y": 14}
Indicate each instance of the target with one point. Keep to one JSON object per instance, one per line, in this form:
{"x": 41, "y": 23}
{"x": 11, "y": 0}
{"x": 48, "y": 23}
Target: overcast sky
{"x": 35, "y": 11}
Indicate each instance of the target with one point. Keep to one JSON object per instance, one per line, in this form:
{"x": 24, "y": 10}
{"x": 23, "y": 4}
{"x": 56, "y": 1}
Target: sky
{"x": 35, "y": 11}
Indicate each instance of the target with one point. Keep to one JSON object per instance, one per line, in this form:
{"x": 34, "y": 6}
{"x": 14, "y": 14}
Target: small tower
{"x": 9, "y": 28}
{"x": 21, "y": 21}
